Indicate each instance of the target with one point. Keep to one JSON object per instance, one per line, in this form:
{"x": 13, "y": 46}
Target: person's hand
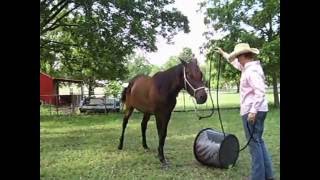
{"x": 252, "y": 118}
{"x": 219, "y": 50}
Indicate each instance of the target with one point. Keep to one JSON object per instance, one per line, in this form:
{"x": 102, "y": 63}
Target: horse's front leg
{"x": 162, "y": 120}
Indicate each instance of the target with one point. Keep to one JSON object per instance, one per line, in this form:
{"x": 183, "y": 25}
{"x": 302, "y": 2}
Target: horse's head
{"x": 193, "y": 80}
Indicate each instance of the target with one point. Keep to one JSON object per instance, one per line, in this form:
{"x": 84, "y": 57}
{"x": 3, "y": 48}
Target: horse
{"x": 157, "y": 95}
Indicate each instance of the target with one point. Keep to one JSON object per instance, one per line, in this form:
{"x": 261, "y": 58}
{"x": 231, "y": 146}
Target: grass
{"x": 226, "y": 100}
{"x": 85, "y": 147}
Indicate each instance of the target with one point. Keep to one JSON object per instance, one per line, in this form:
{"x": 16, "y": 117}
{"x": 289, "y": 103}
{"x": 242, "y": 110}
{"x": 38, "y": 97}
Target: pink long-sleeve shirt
{"x": 252, "y": 87}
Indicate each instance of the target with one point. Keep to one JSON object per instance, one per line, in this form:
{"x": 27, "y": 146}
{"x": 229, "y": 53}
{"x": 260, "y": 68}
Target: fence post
{"x": 57, "y": 103}
{"x": 72, "y": 101}
{"x": 207, "y": 104}
{"x": 184, "y": 102}
{"x": 50, "y": 104}
{"x": 105, "y": 104}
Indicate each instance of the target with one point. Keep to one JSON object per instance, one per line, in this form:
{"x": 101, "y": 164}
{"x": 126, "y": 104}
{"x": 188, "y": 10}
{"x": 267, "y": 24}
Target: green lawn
{"x": 85, "y": 147}
{"x": 226, "y": 100}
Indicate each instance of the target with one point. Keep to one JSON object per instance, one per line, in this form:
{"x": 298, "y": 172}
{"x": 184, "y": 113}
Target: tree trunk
{"x": 91, "y": 90}
{"x": 274, "y": 76}
{"x": 275, "y": 91}
{"x": 82, "y": 90}
{"x": 238, "y": 87}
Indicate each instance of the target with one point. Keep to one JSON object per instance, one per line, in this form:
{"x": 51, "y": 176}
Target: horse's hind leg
{"x": 144, "y": 124}
{"x": 124, "y": 125}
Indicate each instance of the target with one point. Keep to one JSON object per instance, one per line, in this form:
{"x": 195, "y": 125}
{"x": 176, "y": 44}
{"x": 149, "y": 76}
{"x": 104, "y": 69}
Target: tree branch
{"x": 263, "y": 31}
{"x": 56, "y": 42}
{"x": 56, "y": 13}
{"x": 59, "y": 25}
{"x": 55, "y": 25}
{"x": 270, "y": 31}
{"x": 57, "y": 5}
{"x": 68, "y": 24}
{"x": 43, "y": 2}
{"x": 64, "y": 15}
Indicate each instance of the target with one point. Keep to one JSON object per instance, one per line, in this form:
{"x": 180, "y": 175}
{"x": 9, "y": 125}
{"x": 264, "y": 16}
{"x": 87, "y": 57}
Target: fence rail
{"x": 65, "y": 105}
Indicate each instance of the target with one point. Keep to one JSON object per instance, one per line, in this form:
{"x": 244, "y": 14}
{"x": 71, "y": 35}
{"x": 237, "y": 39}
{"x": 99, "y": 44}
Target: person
{"x": 253, "y": 106}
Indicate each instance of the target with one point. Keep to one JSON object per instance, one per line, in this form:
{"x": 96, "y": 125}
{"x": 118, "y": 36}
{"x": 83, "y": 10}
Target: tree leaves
{"x": 237, "y": 19}
{"x": 90, "y": 39}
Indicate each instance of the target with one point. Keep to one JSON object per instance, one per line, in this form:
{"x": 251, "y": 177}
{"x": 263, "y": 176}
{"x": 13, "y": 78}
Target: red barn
{"x": 49, "y": 88}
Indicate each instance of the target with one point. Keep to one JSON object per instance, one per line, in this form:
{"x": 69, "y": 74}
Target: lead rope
{"x": 209, "y": 90}
{"x": 251, "y": 134}
{"x": 218, "y": 108}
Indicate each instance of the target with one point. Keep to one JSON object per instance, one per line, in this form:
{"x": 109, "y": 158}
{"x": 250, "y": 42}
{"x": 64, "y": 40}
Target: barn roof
{"x": 67, "y": 80}
{"x": 62, "y": 79}
{"x": 46, "y": 75}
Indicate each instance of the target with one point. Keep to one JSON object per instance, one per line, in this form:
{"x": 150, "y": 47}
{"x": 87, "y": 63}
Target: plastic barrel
{"x": 212, "y": 148}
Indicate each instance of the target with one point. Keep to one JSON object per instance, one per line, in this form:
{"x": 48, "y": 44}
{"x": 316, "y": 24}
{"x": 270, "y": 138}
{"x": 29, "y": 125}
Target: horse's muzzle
{"x": 201, "y": 97}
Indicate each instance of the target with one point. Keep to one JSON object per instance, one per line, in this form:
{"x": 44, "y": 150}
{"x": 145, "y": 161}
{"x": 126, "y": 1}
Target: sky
{"x": 193, "y": 39}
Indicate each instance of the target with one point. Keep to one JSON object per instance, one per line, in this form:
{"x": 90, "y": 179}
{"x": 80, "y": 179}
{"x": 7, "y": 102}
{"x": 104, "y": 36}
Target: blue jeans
{"x": 261, "y": 165}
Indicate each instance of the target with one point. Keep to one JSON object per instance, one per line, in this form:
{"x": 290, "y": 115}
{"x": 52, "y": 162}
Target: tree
{"x": 134, "y": 22}
{"x": 225, "y": 78}
{"x": 154, "y": 69}
{"x": 271, "y": 55}
{"x": 172, "y": 61}
{"x": 205, "y": 69}
{"x": 256, "y": 22}
{"x": 90, "y": 39}
{"x": 138, "y": 65}
{"x": 186, "y": 55}
{"x": 91, "y": 64}
{"x": 113, "y": 88}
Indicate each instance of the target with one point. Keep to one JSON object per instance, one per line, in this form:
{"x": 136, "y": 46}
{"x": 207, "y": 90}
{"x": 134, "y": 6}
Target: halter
{"x": 190, "y": 85}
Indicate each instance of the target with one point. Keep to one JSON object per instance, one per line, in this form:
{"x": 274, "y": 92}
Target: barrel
{"x": 212, "y": 148}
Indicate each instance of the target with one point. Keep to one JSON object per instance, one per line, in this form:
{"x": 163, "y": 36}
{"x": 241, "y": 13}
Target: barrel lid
{"x": 229, "y": 151}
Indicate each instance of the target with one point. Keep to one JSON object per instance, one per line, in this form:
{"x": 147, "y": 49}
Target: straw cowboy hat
{"x": 242, "y": 48}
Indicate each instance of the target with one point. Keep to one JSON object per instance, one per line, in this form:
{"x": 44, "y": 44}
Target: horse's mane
{"x": 173, "y": 69}
{"x": 164, "y": 79}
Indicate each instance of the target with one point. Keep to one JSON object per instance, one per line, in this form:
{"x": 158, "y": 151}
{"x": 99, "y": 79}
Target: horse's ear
{"x": 183, "y": 62}
{"x": 194, "y": 60}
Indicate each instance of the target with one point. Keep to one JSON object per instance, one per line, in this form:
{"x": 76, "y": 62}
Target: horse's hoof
{"x": 165, "y": 165}
{"x": 146, "y": 147}
{"x": 120, "y": 147}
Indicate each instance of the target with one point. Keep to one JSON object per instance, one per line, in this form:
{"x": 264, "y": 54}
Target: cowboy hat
{"x": 242, "y": 48}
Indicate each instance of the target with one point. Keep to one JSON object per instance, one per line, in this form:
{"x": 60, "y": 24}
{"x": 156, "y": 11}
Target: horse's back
{"x": 142, "y": 84}
{"x": 142, "y": 93}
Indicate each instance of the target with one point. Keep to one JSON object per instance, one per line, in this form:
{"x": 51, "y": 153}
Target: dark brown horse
{"x": 157, "y": 96}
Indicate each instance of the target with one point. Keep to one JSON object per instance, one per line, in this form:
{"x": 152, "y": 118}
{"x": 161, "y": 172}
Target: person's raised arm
{"x": 226, "y": 56}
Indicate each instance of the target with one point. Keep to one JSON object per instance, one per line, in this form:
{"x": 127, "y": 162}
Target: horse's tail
{"x": 128, "y": 88}
{"x": 123, "y": 95}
